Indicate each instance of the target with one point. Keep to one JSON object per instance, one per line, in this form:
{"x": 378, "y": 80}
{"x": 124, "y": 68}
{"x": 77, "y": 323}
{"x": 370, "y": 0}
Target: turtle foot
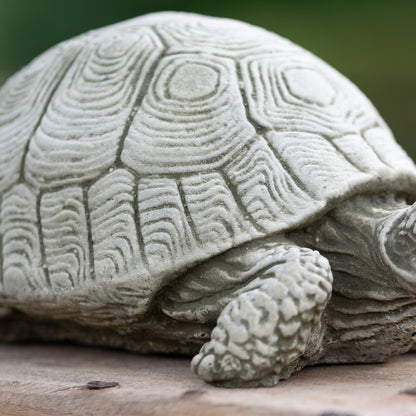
{"x": 262, "y": 334}
{"x": 243, "y": 348}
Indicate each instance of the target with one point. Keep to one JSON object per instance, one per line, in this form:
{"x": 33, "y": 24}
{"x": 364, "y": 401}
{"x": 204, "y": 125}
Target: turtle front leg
{"x": 274, "y": 320}
{"x": 269, "y": 322}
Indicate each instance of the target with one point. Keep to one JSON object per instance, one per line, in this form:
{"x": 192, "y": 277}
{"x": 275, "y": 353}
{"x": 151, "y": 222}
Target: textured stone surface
{"x": 49, "y": 380}
{"x": 177, "y": 173}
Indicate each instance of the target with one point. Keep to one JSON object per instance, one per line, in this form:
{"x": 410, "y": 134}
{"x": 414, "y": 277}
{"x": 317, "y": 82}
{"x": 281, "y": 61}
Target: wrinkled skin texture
{"x": 185, "y": 184}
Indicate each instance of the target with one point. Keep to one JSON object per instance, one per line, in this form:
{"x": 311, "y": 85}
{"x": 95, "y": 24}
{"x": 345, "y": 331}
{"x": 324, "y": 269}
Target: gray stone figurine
{"x": 179, "y": 183}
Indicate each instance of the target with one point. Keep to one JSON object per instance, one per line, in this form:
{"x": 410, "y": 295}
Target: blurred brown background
{"x": 372, "y": 42}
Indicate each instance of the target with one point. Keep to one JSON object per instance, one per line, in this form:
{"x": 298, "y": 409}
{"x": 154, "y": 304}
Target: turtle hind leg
{"x": 271, "y": 319}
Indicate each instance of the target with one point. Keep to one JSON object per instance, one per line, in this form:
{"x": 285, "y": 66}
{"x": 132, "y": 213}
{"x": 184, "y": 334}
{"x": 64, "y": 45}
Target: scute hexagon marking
{"x": 340, "y": 122}
{"x": 170, "y": 135}
{"x": 192, "y": 81}
{"x": 309, "y": 85}
{"x": 273, "y": 105}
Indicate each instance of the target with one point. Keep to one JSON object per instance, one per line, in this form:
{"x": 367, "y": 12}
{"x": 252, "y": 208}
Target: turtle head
{"x": 398, "y": 244}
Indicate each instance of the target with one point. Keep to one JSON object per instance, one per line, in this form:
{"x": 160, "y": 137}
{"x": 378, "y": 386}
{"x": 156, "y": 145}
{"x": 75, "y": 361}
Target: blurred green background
{"x": 372, "y": 42}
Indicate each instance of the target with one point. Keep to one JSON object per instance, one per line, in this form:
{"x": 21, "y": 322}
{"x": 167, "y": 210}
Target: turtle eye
{"x": 310, "y": 86}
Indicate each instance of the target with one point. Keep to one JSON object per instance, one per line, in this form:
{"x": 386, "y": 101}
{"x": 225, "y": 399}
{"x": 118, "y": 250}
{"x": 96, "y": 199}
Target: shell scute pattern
{"x": 179, "y": 129}
{"x": 79, "y": 136}
{"x": 297, "y": 90}
{"x": 273, "y": 197}
{"x": 111, "y": 203}
{"x": 23, "y": 269}
{"x": 223, "y": 37}
{"x": 154, "y": 144}
{"x": 65, "y": 238}
{"x": 213, "y": 209}
{"x": 320, "y": 178}
{"x": 166, "y": 233}
{"x": 24, "y": 99}
{"x": 382, "y": 142}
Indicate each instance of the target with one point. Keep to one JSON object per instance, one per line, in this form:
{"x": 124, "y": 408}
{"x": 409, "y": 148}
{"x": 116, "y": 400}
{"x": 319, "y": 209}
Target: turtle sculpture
{"x": 176, "y": 174}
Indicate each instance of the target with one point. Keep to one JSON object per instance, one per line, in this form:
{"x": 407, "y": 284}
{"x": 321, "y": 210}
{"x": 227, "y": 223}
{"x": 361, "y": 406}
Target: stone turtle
{"x": 175, "y": 174}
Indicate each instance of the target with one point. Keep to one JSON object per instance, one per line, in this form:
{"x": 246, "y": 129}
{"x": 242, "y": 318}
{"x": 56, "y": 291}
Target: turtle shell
{"x": 131, "y": 153}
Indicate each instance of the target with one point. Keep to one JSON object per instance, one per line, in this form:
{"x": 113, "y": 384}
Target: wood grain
{"x": 40, "y": 380}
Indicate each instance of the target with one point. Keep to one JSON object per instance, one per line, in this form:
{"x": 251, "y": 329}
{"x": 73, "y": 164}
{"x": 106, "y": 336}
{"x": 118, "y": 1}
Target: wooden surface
{"x": 50, "y": 380}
